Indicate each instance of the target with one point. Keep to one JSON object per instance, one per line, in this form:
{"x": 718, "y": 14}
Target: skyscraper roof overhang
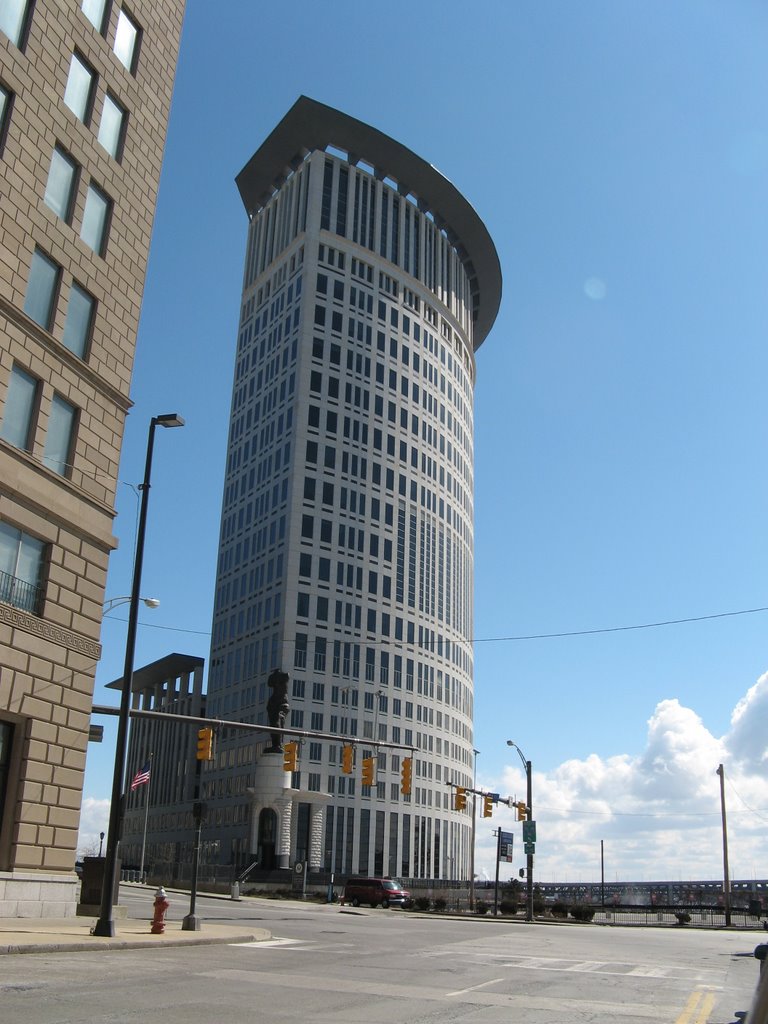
{"x": 310, "y": 125}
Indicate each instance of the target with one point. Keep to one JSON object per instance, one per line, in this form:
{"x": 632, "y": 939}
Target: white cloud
{"x": 94, "y": 817}
{"x": 747, "y": 741}
{"x": 657, "y": 812}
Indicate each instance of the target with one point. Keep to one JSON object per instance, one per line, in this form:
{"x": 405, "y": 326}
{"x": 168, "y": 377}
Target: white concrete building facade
{"x": 346, "y": 545}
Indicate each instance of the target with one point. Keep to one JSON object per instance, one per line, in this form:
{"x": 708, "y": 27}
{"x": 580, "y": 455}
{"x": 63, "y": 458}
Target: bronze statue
{"x": 277, "y": 708}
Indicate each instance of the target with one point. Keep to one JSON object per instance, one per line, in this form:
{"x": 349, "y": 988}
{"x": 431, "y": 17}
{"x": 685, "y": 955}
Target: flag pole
{"x": 146, "y": 815}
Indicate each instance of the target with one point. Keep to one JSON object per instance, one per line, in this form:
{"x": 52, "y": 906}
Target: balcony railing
{"x": 20, "y": 594}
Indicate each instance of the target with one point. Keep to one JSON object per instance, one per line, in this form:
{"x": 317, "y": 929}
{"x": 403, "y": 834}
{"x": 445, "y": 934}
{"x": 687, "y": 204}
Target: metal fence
{"x": 693, "y": 916}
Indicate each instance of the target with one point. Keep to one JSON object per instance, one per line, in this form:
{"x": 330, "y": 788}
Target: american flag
{"x": 141, "y": 777}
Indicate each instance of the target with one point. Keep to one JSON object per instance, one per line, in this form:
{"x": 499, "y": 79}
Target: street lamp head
{"x": 111, "y": 603}
{"x": 169, "y": 419}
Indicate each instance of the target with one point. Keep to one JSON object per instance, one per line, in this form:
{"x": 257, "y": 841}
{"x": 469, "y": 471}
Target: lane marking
{"x": 474, "y": 988}
{"x": 697, "y": 1003}
{"x": 267, "y": 943}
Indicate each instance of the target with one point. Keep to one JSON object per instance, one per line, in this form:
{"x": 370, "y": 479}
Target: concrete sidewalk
{"x": 73, "y": 934}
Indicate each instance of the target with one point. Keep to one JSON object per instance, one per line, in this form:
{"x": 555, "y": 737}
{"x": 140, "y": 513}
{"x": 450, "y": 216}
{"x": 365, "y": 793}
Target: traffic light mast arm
{"x": 222, "y": 723}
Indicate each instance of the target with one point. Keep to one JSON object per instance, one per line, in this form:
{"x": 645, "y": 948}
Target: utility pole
{"x": 726, "y": 879}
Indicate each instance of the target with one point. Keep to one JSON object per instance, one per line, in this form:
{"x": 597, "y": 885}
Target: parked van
{"x": 387, "y": 892}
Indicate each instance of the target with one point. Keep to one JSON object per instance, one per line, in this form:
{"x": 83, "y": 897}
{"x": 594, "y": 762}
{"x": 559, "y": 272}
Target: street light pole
{"x": 105, "y": 925}
{"x": 529, "y": 815}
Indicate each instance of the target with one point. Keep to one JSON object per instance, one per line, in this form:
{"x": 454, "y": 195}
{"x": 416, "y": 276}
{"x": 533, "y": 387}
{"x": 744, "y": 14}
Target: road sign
{"x": 530, "y": 849}
{"x": 494, "y": 797}
{"x": 506, "y": 845}
{"x": 529, "y": 831}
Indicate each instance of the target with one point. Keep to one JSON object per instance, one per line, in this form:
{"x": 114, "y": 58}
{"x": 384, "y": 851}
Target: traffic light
{"x": 522, "y": 810}
{"x": 406, "y": 775}
{"x": 367, "y": 771}
{"x": 347, "y": 758}
{"x": 290, "y": 756}
{"x": 487, "y": 806}
{"x": 460, "y": 799}
{"x": 205, "y": 744}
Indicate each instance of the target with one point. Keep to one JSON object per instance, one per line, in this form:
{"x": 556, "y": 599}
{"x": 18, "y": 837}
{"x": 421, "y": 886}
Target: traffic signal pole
{"x": 529, "y": 859}
{"x": 498, "y": 858}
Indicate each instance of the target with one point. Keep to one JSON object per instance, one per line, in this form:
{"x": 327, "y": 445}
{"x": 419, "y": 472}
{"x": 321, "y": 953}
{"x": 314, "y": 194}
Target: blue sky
{"x": 617, "y": 152}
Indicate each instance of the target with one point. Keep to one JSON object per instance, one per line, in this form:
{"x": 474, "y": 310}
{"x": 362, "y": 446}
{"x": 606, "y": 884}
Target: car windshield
{"x": 391, "y": 884}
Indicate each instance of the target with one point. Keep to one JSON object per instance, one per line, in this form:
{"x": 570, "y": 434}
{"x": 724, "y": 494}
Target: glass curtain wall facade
{"x": 346, "y": 544}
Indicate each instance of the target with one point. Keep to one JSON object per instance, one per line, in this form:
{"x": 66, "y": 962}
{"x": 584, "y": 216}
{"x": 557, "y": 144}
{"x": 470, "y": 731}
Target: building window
{"x": 6, "y": 102}
{"x": 77, "y": 326}
{"x": 21, "y": 569}
{"x": 78, "y": 94}
{"x": 96, "y": 12}
{"x": 112, "y": 127}
{"x": 127, "y": 39}
{"x": 93, "y": 230}
{"x": 13, "y": 19}
{"x": 60, "y": 189}
{"x": 20, "y": 409}
{"x": 41, "y": 289}
{"x": 59, "y": 436}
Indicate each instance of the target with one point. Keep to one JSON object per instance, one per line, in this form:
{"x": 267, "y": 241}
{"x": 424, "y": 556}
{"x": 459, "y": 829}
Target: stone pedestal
{"x": 272, "y": 789}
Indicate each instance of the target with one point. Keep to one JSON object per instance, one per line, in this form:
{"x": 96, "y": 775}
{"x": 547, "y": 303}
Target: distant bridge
{"x": 648, "y": 894}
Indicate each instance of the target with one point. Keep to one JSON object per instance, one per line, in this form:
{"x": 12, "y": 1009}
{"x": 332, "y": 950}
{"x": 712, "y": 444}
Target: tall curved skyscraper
{"x": 346, "y": 547}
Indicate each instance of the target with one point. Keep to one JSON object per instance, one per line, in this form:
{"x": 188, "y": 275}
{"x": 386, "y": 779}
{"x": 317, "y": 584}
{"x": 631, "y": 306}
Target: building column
{"x": 284, "y": 807}
{"x": 316, "y": 838}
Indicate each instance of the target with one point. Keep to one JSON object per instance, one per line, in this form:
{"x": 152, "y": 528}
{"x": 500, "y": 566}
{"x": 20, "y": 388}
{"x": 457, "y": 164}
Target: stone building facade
{"x": 85, "y": 92}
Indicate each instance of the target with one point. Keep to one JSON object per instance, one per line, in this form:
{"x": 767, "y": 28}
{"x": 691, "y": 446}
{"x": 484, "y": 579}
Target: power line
{"x": 619, "y": 629}
{"x": 526, "y": 636}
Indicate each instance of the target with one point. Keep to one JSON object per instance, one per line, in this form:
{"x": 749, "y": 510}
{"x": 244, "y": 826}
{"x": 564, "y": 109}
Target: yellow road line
{"x": 699, "y": 1006}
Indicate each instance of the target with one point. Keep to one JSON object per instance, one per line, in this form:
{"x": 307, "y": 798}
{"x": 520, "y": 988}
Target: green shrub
{"x": 683, "y": 917}
{"x": 508, "y": 906}
{"x": 422, "y": 903}
{"x": 581, "y": 912}
{"x": 560, "y": 909}
{"x": 440, "y": 905}
{"x": 481, "y": 907}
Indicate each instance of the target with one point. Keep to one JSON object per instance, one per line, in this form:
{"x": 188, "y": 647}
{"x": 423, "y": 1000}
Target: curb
{"x": 87, "y": 947}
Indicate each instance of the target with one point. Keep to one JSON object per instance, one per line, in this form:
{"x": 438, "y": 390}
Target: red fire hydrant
{"x": 161, "y": 905}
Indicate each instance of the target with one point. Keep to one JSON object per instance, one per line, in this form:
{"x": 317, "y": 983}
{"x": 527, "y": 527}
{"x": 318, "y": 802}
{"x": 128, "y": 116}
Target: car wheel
{"x": 384, "y": 904}
{"x": 355, "y": 902}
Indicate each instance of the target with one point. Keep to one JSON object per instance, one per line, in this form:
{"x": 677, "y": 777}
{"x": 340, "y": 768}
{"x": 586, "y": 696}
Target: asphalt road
{"x": 337, "y": 965}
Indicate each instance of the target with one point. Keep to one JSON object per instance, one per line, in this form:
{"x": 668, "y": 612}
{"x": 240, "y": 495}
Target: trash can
{"x": 93, "y": 879}
{"x": 235, "y": 893}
